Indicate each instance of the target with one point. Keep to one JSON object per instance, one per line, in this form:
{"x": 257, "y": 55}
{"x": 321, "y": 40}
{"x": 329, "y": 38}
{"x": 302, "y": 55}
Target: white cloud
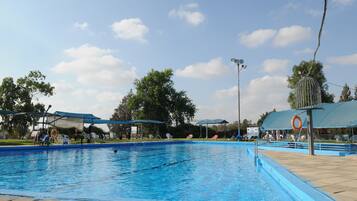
{"x": 95, "y": 66}
{"x": 257, "y": 37}
{"x": 261, "y": 95}
{"x": 291, "y": 35}
{"x": 108, "y": 96}
{"x": 291, "y": 6}
{"x": 275, "y": 65}
{"x": 313, "y": 12}
{"x": 304, "y": 51}
{"x": 81, "y": 25}
{"x": 72, "y": 97}
{"x": 189, "y": 13}
{"x": 344, "y": 60}
{"x": 281, "y": 38}
{"x": 343, "y": 2}
{"x": 233, "y": 91}
{"x": 204, "y": 70}
{"x": 264, "y": 94}
{"x": 130, "y": 29}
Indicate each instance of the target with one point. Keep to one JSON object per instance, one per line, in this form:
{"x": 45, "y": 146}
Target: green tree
{"x": 245, "y": 124}
{"x": 263, "y": 117}
{"x": 156, "y": 98}
{"x": 8, "y": 100}
{"x": 122, "y": 113}
{"x": 346, "y": 94}
{"x": 182, "y": 108}
{"x": 23, "y": 96}
{"x": 313, "y": 69}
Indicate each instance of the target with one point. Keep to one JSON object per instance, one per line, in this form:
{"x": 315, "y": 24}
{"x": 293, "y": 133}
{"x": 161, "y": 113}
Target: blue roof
{"x": 211, "y": 121}
{"x": 91, "y": 119}
{"x": 86, "y": 117}
{"x": 5, "y": 112}
{"x": 146, "y": 122}
{"x": 330, "y": 115}
{"x": 102, "y": 121}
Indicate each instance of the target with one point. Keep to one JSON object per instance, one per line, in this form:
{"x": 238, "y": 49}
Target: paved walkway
{"x": 333, "y": 174}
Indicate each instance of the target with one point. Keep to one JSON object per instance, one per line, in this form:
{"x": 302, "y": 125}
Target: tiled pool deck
{"x": 333, "y": 174}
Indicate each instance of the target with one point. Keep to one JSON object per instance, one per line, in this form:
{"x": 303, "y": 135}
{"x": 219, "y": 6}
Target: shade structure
{"x": 211, "y": 121}
{"x": 91, "y": 119}
{"x": 88, "y": 118}
{"x": 329, "y": 115}
{"x": 103, "y": 121}
{"x": 206, "y": 122}
{"x": 5, "y": 112}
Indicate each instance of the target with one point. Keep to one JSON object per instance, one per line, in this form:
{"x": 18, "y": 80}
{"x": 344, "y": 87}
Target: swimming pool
{"x": 181, "y": 171}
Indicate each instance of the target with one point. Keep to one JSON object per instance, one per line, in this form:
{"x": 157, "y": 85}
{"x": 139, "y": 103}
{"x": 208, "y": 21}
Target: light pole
{"x": 44, "y": 115}
{"x": 240, "y": 67}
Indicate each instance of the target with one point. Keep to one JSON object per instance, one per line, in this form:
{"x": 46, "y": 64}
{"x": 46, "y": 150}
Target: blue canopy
{"x": 330, "y": 115}
{"x": 102, "y": 121}
{"x": 85, "y": 117}
{"x": 211, "y": 121}
{"x": 91, "y": 119}
{"x": 5, "y": 112}
{"x": 146, "y": 122}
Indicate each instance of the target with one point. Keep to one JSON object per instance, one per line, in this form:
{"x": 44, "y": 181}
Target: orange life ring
{"x": 293, "y": 120}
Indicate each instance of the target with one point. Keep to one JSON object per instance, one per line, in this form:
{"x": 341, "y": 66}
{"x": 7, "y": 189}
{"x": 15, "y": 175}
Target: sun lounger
{"x": 190, "y": 136}
{"x": 215, "y": 137}
{"x": 168, "y": 136}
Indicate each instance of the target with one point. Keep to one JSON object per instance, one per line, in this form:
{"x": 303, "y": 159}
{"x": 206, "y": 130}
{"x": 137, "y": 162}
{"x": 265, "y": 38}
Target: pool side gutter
{"x": 107, "y": 145}
{"x": 294, "y": 185}
{"x": 305, "y": 151}
{"x": 85, "y": 146}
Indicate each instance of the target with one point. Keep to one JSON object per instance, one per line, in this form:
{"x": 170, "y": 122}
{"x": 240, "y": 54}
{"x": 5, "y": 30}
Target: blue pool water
{"x": 151, "y": 172}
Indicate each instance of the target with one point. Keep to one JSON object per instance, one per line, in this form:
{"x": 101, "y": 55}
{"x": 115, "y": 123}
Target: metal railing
{"x": 350, "y": 148}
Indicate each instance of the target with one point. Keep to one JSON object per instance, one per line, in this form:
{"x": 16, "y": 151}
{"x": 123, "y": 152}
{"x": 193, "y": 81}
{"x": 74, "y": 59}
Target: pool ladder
{"x": 256, "y": 153}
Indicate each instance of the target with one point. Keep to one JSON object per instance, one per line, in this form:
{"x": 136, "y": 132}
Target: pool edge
{"x": 297, "y": 187}
{"x": 85, "y": 146}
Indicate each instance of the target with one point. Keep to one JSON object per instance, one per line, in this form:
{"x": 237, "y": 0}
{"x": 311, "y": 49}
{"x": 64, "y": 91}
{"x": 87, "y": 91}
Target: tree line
{"x": 21, "y": 96}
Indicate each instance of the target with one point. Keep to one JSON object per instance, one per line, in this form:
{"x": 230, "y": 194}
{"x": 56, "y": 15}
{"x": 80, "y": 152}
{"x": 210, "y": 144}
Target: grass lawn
{"x": 12, "y": 142}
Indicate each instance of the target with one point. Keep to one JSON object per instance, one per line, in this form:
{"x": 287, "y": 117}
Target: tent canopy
{"x": 330, "y": 115}
{"x": 146, "y": 122}
{"x": 91, "y": 119}
{"x": 5, "y": 112}
{"x": 103, "y": 121}
{"x": 76, "y": 115}
{"x": 211, "y": 121}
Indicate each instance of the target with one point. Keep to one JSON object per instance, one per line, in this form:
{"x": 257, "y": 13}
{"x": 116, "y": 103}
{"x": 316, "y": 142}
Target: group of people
{"x": 42, "y": 137}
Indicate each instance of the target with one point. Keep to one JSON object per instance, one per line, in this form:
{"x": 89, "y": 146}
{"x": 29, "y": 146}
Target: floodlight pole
{"x": 240, "y": 66}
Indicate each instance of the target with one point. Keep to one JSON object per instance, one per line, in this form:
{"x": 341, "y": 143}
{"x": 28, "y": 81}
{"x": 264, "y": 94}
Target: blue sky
{"x": 93, "y": 50}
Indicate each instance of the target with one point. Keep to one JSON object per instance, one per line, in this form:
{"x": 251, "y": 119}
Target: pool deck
{"x": 332, "y": 174}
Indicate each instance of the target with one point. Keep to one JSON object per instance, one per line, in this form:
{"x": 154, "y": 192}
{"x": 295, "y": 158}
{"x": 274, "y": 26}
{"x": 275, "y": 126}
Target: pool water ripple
{"x": 152, "y": 172}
